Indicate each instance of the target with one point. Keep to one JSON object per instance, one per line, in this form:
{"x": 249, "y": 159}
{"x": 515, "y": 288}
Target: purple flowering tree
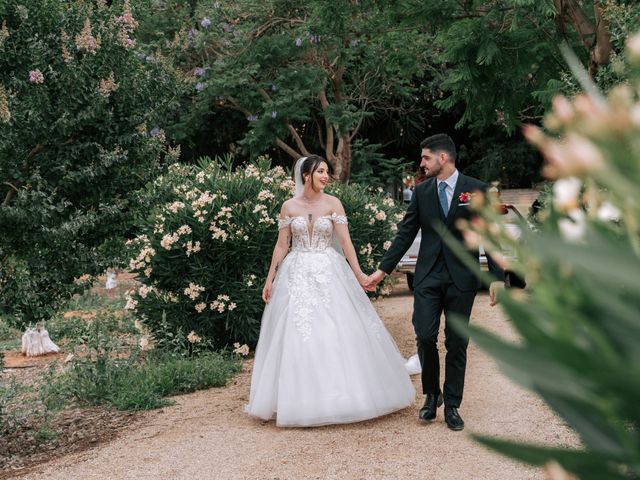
{"x": 76, "y": 104}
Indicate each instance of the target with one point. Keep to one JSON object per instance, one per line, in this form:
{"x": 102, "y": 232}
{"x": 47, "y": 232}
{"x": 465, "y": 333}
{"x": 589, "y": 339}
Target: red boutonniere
{"x": 464, "y": 197}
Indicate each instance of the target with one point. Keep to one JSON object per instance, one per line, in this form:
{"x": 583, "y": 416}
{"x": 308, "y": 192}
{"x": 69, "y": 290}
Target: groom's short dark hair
{"x": 440, "y": 142}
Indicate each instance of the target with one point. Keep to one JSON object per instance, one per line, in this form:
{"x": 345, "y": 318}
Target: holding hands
{"x": 370, "y": 282}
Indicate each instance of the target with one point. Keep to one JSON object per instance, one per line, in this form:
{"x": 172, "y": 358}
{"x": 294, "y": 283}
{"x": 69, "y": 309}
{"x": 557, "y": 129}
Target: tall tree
{"x": 500, "y": 58}
{"x": 78, "y": 106}
{"x": 306, "y": 75}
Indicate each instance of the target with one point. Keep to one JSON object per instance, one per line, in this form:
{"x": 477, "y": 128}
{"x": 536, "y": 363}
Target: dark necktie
{"x": 442, "y": 196}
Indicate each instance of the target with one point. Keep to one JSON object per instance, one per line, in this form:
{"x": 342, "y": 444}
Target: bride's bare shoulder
{"x": 334, "y": 201}
{"x": 289, "y": 205}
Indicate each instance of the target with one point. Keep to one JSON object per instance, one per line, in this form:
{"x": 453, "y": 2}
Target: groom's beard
{"x": 432, "y": 172}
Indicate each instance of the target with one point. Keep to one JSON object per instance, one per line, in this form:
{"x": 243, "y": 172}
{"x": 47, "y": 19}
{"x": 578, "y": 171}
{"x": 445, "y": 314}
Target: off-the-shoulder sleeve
{"x": 284, "y": 222}
{"x": 340, "y": 219}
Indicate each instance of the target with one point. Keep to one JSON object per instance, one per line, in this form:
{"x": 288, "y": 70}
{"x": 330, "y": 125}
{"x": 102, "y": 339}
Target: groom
{"x": 442, "y": 282}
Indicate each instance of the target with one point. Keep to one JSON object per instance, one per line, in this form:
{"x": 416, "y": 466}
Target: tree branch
{"x": 297, "y": 139}
{"x": 290, "y": 151}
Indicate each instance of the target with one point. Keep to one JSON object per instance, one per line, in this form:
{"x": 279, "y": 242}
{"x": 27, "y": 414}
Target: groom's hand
{"x": 375, "y": 278}
{"x": 494, "y": 289}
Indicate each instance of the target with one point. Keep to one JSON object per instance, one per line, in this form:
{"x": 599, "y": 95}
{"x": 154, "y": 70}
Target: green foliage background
{"x": 71, "y": 157}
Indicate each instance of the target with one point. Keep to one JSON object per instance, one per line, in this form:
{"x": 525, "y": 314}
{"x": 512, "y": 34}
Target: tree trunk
{"x": 343, "y": 159}
{"x": 595, "y": 38}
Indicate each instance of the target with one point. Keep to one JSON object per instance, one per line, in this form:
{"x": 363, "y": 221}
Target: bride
{"x": 323, "y": 356}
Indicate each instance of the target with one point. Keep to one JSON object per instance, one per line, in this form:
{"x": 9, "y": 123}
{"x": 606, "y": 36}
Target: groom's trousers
{"x": 435, "y": 294}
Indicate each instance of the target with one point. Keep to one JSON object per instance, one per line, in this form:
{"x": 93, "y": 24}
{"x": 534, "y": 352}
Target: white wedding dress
{"x": 323, "y": 356}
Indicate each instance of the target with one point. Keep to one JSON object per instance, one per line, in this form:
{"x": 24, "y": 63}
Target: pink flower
{"x": 85, "y": 39}
{"x": 35, "y": 76}
{"x": 464, "y": 197}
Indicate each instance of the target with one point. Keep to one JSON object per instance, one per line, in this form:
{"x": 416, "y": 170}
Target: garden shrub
{"x": 204, "y": 253}
{"x": 81, "y": 114}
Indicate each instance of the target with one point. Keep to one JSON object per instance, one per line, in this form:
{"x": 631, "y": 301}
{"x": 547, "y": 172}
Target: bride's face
{"x": 320, "y": 177}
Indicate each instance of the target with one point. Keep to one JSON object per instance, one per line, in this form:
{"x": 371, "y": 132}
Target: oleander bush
{"x": 204, "y": 253}
{"x": 578, "y": 320}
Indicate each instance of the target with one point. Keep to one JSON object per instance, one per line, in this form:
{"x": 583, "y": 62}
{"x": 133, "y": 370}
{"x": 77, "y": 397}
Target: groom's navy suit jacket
{"x": 424, "y": 213}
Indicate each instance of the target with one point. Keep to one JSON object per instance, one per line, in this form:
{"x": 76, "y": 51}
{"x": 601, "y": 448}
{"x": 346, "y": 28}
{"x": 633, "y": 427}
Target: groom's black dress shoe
{"x": 430, "y": 407}
{"x": 453, "y": 419}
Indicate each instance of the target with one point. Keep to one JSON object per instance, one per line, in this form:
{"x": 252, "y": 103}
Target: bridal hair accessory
{"x": 297, "y": 176}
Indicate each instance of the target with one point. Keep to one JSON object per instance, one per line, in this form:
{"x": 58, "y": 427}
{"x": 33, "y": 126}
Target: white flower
{"x": 573, "y": 228}
{"x": 241, "y": 349}
{"x": 193, "y": 290}
{"x": 144, "y": 290}
{"x": 386, "y": 245}
{"x": 200, "y": 307}
{"x": 175, "y": 206}
{"x": 131, "y": 304}
{"x": 184, "y": 230}
{"x": 608, "y": 212}
{"x": 173, "y": 298}
{"x": 252, "y": 171}
{"x": 193, "y": 337}
{"x": 381, "y": 215}
{"x": 232, "y": 306}
{"x": 259, "y": 207}
{"x": 566, "y": 192}
{"x": 265, "y": 195}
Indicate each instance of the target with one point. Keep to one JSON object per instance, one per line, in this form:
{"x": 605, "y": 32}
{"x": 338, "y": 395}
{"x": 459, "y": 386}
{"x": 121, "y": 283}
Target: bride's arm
{"x": 342, "y": 233}
{"x": 279, "y": 252}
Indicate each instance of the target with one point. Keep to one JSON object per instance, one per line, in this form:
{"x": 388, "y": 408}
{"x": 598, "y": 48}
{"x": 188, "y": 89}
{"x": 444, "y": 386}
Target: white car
{"x": 511, "y": 219}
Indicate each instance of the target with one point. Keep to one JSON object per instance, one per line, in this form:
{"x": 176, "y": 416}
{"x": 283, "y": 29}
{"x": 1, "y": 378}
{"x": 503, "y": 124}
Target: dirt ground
{"x": 207, "y": 435}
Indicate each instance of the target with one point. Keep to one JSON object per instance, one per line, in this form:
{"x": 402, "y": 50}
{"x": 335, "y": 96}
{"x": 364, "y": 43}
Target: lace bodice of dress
{"x": 306, "y": 237}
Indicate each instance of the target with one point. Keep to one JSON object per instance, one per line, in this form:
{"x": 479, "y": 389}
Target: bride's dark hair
{"x": 311, "y": 164}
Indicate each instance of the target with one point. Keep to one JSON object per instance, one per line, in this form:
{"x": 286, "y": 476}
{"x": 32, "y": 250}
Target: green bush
{"x": 203, "y": 256}
{"x": 579, "y": 321}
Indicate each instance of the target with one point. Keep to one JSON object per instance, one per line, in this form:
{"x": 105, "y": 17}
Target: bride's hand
{"x": 364, "y": 281}
{"x": 266, "y": 292}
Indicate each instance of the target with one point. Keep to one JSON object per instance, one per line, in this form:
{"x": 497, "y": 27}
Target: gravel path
{"x": 207, "y": 435}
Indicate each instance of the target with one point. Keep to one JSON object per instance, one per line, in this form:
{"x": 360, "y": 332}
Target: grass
{"x": 128, "y": 384}
{"x": 145, "y": 387}
{"x": 10, "y": 338}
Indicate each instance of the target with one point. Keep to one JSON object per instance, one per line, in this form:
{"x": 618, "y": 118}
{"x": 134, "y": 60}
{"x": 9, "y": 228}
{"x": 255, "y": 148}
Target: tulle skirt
{"x": 324, "y": 356}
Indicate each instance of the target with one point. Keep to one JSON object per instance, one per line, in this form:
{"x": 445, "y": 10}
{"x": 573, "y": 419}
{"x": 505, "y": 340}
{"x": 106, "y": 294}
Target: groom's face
{"x": 430, "y": 163}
